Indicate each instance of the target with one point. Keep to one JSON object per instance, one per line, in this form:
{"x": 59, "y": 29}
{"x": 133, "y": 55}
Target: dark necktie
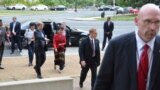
{"x": 93, "y": 47}
{"x": 143, "y": 69}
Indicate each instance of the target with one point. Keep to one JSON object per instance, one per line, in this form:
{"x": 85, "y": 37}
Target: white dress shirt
{"x": 140, "y": 45}
{"x": 13, "y": 29}
{"x": 29, "y": 34}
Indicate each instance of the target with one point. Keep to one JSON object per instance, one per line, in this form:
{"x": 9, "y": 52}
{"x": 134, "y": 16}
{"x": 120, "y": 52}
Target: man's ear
{"x": 136, "y": 20}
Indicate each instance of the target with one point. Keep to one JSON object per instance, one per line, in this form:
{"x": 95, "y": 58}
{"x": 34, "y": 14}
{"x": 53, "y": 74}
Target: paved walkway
{"x": 16, "y": 68}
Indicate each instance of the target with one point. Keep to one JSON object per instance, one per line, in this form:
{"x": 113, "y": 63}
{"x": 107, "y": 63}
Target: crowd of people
{"x": 36, "y": 43}
{"x": 130, "y": 62}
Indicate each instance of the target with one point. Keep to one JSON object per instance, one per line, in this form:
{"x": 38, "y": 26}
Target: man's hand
{"x": 60, "y": 44}
{"x": 83, "y": 63}
{"x": 107, "y": 33}
{"x": 14, "y": 33}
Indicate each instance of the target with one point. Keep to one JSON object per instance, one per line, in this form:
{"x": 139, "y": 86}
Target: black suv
{"x": 74, "y": 36}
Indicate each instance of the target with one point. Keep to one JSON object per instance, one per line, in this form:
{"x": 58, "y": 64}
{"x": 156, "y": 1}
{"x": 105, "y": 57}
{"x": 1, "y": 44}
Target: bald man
{"x": 132, "y": 61}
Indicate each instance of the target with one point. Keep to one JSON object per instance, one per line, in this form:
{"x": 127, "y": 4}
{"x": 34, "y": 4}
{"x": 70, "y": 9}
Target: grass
{"x": 24, "y": 12}
{"x": 120, "y": 18}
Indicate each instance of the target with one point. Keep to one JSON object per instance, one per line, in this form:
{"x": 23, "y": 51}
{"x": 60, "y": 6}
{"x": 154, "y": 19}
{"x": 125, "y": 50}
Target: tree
{"x": 83, "y": 3}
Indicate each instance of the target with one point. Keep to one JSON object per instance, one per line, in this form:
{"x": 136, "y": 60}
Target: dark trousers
{"x": 15, "y": 39}
{"x": 84, "y": 72}
{"x": 40, "y": 59}
{"x": 31, "y": 52}
{"x": 1, "y": 52}
{"x": 105, "y": 38}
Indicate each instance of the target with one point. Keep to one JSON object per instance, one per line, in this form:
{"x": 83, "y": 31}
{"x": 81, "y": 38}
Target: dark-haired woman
{"x": 29, "y": 34}
{"x": 59, "y": 42}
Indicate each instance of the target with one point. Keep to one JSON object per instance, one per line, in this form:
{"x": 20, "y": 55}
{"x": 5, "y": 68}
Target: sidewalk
{"x": 16, "y": 68}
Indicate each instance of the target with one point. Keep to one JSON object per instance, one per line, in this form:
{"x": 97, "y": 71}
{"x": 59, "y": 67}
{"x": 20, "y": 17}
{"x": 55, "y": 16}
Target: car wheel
{"x": 45, "y": 9}
{"x": 13, "y": 8}
{"x": 23, "y": 8}
{"x": 80, "y": 40}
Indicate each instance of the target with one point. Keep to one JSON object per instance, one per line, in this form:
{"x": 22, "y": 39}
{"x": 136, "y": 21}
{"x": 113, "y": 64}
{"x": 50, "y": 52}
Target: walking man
{"x": 40, "y": 48}
{"x": 2, "y": 41}
{"x": 89, "y": 53}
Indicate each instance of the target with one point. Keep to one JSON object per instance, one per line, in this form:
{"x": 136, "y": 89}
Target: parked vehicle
{"x": 105, "y": 8}
{"x": 119, "y": 10}
{"x": 50, "y": 28}
{"x": 16, "y": 7}
{"x": 134, "y": 11}
{"x": 39, "y": 7}
{"x": 58, "y": 8}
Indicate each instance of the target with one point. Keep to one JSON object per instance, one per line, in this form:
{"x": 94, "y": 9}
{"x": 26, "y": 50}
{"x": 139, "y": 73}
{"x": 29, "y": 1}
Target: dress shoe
{"x": 60, "y": 71}
{"x": 1, "y": 68}
{"x": 54, "y": 67}
{"x": 39, "y": 77}
{"x": 30, "y": 64}
{"x": 81, "y": 85}
{"x": 91, "y": 88}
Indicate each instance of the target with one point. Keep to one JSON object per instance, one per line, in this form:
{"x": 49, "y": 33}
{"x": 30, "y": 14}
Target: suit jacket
{"x": 2, "y": 35}
{"x": 108, "y": 28}
{"x": 17, "y": 28}
{"x": 85, "y": 52}
{"x": 40, "y": 42}
{"x": 118, "y": 70}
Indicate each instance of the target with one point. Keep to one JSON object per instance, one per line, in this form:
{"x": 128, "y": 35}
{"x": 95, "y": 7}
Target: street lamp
{"x": 94, "y": 5}
{"x": 75, "y": 6}
{"x": 114, "y": 3}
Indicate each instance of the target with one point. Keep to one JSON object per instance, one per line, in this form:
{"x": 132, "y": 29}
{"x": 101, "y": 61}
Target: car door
{"x": 18, "y": 6}
{"x": 74, "y": 36}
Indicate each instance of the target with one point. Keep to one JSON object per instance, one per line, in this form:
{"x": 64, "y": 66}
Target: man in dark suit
{"x": 108, "y": 29}
{"x": 40, "y": 48}
{"x": 132, "y": 61}
{"x": 15, "y": 28}
{"x": 89, "y": 53}
{"x": 2, "y": 41}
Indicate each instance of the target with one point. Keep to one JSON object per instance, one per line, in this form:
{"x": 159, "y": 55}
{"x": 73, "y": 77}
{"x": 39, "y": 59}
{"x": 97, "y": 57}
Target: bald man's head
{"x": 148, "y": 22}
{"x": 148, "y": 8}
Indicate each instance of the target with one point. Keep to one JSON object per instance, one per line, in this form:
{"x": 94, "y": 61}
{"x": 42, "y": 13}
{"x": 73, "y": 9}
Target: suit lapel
{"x": 155, "y": 64}
{"x": 133, "y": 62}
{"x": 89, "y": 42}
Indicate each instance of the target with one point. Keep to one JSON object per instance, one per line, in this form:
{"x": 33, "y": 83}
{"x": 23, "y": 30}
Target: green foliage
{"x": 82, "y": 3}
